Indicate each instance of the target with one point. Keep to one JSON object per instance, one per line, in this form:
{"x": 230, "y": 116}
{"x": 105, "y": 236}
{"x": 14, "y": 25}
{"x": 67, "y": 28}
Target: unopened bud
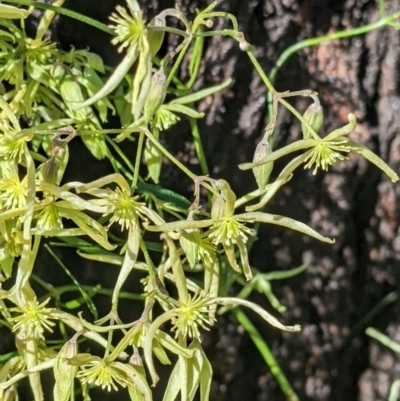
{"x": 262, "y": 173}
{"x": 58, "y": 72}
{"x": 218, "y": 207}
{"x": 157, "y": 93}
{"x": 223, "y": 205}
{"x": 50, "y": 170}
{"x": 314, "y": 116}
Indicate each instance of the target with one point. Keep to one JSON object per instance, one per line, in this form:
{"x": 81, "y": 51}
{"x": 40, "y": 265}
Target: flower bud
{"x": 50, "y": 170}
{"x": 58, "y": 72}
{"x": 314, "y": 116}
{"x": 71, "y": 92}
{"x": 218, "y": 207}
{"x": 261, "y": 173}
{"x": 157, "y": 93}
{"x": 223, "y": 205}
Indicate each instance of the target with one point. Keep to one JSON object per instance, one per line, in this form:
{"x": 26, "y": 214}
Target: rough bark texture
{"x": 331, "y": 358}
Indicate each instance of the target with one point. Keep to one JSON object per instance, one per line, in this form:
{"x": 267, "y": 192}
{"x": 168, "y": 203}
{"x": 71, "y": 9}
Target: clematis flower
{"x": 191, "y": 315}
{"x": 94, "y": 370}
{"x": 33, "y": 319}
{"x": 320, "y": 153}
{"x": 129, "y": 28}
{"x": 13, "y": 191}
{"x": 230, "y": 230}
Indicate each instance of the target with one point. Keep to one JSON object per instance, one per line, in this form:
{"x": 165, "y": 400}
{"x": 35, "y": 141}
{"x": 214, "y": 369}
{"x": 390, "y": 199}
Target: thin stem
{"x": 178, "y": 61}
{"x": 383, "y": 339}
{"x": 90, "y": 304}
{"x": 327, "y": 38}
{"x": 266, "y": 353}
{"x": 375, "y": 311}
{"x": 66, "y": 12}
{"x": 287, "y": 53}
{"x": 137, "y": 161}
{"x": 257, "y": 66}
{"x": 292, "y": 109}
{"x": 199, "y": 146}
{"x": 170, "y": 156}
{"x": 382, "y": 8}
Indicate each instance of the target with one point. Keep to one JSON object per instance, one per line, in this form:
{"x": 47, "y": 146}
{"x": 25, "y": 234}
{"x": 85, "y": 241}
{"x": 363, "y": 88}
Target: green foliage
{"x": 65, "y": 97}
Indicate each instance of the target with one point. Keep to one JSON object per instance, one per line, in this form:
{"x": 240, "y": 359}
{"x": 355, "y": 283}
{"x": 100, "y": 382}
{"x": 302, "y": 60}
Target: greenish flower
{"x": 228, "y": 232}
{"x": 192, "y": 315}
{"x": 39, "y": 51}
{"x": 12, "y": 145}
{"x": 207, "y": 251}
{"x": 33, "y": 319}
{"x": 13, "y": 191}
{"x": 100, "y": 373}
{"x": 14, "y": 242}
{"x": 49, "y": 218}
{"x": 229, "y": 229}
{"x": 129, "y": 29}
{"x": 126, "y": 208}
{"x": 231, "y": 233}
{"x": 164, "y": 119}
{"x": 326, "y": 154}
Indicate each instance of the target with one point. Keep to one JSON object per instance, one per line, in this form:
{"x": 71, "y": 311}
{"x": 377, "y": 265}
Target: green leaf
{"x": 164, "y": 194}
{"x": 194, "y": 97}
{"x": 94, "y": 61}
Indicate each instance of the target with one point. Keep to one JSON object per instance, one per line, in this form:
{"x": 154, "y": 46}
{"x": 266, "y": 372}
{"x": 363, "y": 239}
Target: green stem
{"x": 199, "y": 146}
{"x": 266, "y": 353}
{"x": 66, "y": 12}
{"x": 177, "y": 63}
{"x": 383, "y": 339}
{"x": 152, "y": 270}
{"x": 172, "y": 158}
{"x": 121, "y": 154}
{"x": 327, "y": 38}
{"x": 90, "y": 304}
{"x": 287, "y": 53}
{"x": 257, "y": 66}
{"x": 137, "y": 161}
{"x": 375, "y": 311}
